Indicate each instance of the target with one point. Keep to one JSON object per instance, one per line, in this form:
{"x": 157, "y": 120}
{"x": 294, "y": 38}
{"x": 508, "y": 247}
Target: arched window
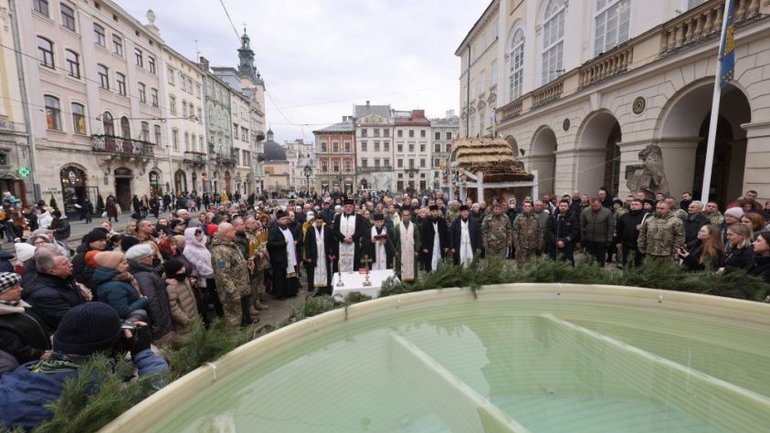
{"x": 109, "y": 127}
{"x": 517, "y": 63}
{"x": 553, "y": 40}
{"x": 611, "y": 24}
{"x": 125, "y": 127}
{"x": 145, "y": 131}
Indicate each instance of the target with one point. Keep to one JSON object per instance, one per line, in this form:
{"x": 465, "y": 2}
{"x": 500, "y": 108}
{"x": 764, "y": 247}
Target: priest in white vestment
{"x": 406, "y": 236}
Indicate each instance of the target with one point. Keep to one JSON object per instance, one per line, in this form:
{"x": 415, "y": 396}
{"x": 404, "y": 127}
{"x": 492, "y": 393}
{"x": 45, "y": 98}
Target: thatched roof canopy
{"x": 491, "y": 156}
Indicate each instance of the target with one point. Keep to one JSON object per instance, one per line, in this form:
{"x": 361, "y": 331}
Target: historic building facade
{"x": 301, "y": 155}
{"x": 412, "y": 139}
{"x": 443, "y": 131}
{"x": 335, "y": 155}
{"x": 374, "y": 146}
{"x": 93, "y": 90}
{"x": 580, "y": 109}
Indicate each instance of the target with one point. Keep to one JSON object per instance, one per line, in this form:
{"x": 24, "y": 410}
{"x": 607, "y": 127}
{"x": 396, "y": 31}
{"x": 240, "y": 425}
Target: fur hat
{"x": 734, "y": 212}
{"x": 378, "y": 217}
{"x": 8, "y": 280}
{"x": 138, "y": 252}
{"x": 87, "y": 328}
{"x": 109, "y": 259}
{"x": 280, "y": 214}
{"x": 464, "y": 207}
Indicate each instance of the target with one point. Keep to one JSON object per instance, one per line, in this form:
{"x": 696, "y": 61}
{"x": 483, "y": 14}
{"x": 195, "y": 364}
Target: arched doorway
{"x": 180, "y": 181}
{"x": 598, "y": 154}
{"x": 228, "y": 183}
{"x": 543, "y": 159}
{"x": 155, "y": 186}
{"x": 514, "y": 146}
{"x": 73, "y": 185}
{"x": 683, "y": 139}
{"x": 123, "y": 178}
{"x": 364, "y": 184}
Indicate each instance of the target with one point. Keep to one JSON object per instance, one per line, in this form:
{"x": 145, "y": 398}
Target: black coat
{"x": 626, "y": 228}
{"x": 311, "y": 248}
{"x": 359, "y": 235}
{"x": 427, "y": 236}
{"x": 390, "y": 248}
{"x": 52, "y": 297}
{"x": 80, "y": 270}
{"x": 692, "y": 261}
{"x": 561, "y": 228}
{"x": 762, "y": 268}
{"x": 691, "y": 226}
{"x": 276, "y": 247}
{"x": 154, "y": 288}
{"x": 740, "y": 258}
{"x": 455, "y": 234}
{"x": 23, "y": 335}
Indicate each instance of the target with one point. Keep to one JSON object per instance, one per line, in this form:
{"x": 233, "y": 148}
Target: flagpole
{"x": 710, "y": 143}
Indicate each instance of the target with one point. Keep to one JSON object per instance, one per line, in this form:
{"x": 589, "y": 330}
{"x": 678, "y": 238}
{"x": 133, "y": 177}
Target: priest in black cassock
{"x": 281, "y": 246}
{"x": 318, "y": 256}
{"x": 434, "y": 235}
{"x": 348, "y": 232}
{"x": 465, "y": 233}
{"x": 382, "y": 249}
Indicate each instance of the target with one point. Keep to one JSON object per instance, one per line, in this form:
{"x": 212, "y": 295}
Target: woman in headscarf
{"x": 199, "y": 257}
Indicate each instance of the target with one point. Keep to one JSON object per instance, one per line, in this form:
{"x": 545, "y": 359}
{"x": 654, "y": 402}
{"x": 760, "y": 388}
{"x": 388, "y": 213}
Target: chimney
{"x": 418, "y": 114}
{"x": 367, "y": 103}
{"x": 204, "y": 64}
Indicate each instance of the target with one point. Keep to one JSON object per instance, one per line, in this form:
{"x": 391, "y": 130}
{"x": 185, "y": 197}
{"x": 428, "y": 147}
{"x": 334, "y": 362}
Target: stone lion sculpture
{"x": 648, "y": 177}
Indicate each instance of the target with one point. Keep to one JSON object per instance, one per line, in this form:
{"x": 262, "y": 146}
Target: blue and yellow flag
{"x": 727, "y": 56}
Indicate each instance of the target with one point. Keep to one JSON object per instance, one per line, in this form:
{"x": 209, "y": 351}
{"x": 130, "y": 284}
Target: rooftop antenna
{"x": 197, "y": 51}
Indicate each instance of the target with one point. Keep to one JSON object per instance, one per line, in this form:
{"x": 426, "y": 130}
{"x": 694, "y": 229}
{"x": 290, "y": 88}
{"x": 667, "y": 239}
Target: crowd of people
{"x": 234, "y": 256}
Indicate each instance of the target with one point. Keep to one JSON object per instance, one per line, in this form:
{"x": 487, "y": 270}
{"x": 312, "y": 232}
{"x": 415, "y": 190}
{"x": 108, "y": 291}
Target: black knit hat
{"x": 87, "y": 328}
{"x": 172, "y": 267}
{"x": 97, "y": 234}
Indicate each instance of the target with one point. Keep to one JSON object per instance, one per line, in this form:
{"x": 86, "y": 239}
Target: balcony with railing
{"x": 195, "y": 158}
{"x": 122, "y": 146}
{"x": 226, "y": 157}
{"x": 689, "y": 29}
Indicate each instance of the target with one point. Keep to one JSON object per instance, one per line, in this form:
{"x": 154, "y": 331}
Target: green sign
{"x": 24, "y": 171}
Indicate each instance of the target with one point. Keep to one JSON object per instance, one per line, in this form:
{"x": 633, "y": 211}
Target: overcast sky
{"x": 319, "y": 57}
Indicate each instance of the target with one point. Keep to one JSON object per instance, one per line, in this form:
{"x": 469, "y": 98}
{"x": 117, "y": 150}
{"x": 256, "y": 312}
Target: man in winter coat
{"x": 22, "y": 333}
{"x": 465, "y": 237}
{"x": 140, "y": 258}
{"x": 628, "y": 232}
{"x": 55, "y": 292}
{"x": 561, "y": 232}
{"x": 527, "y": 235}
{"x": 497, "y": 233}
{"x": 95, "y": 240}
{"x": 597, "y": 227}
{"x": 694, "y": 221}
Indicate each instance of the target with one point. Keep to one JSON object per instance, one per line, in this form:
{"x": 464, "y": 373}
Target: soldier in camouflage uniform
{"x": 712, "y": 213}
{"x": 231, "y": 273}
{"x": 452, "y": 212}
{"x": 661, "y": 235}
{"x": 497, "y": 233}
{"x": 527, "y": 235}
{"x": 673, "y": 205}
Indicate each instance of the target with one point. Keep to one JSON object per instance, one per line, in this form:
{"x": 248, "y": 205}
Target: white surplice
{"x": 436, "y": 256}
{"x": 380, "y": 256}
{"x": 466, "y": 250}
{"x": 407, "y": 252}
{"x": 319, "y": 273}
{"x": 291, "y": 253}
{"x": 347, "y": 251}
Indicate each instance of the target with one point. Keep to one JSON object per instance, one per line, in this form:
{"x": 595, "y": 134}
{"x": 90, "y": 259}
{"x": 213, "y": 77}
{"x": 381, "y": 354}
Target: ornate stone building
{"x": 335, "y": 155}
{"x": 579, "y": 99}
{"x": 412, "y": 141}
{"x": 301, "y": 155}
{"x": 374, "y": 147}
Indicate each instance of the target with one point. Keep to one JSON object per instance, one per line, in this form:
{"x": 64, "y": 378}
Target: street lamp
{"x": 307, "y": 171}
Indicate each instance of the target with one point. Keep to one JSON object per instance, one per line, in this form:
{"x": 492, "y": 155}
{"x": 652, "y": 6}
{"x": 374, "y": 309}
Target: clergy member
{"x": 406, "y": 238}
{"x": 382, "y": 244}
{"x": 283, "y": 257}
{"x": 466, "y": 237}
{"x": 435, "y": 239}
{"x": 349, "y": 229}
{"x": 318, "y": 253}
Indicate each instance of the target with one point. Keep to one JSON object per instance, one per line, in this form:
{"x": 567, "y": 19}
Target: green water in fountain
{"x": 523, "y": 366}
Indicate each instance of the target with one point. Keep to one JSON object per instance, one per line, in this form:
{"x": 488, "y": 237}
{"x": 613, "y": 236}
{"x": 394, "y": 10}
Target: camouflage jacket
{"x": 497, "y": 232}
{"x": 661, "y": 236}
{"x": 527, "y": 232}
{"x": 230, "y": 270}
{"x": 450, "y": 216}
{"x": 716, "y": 218}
